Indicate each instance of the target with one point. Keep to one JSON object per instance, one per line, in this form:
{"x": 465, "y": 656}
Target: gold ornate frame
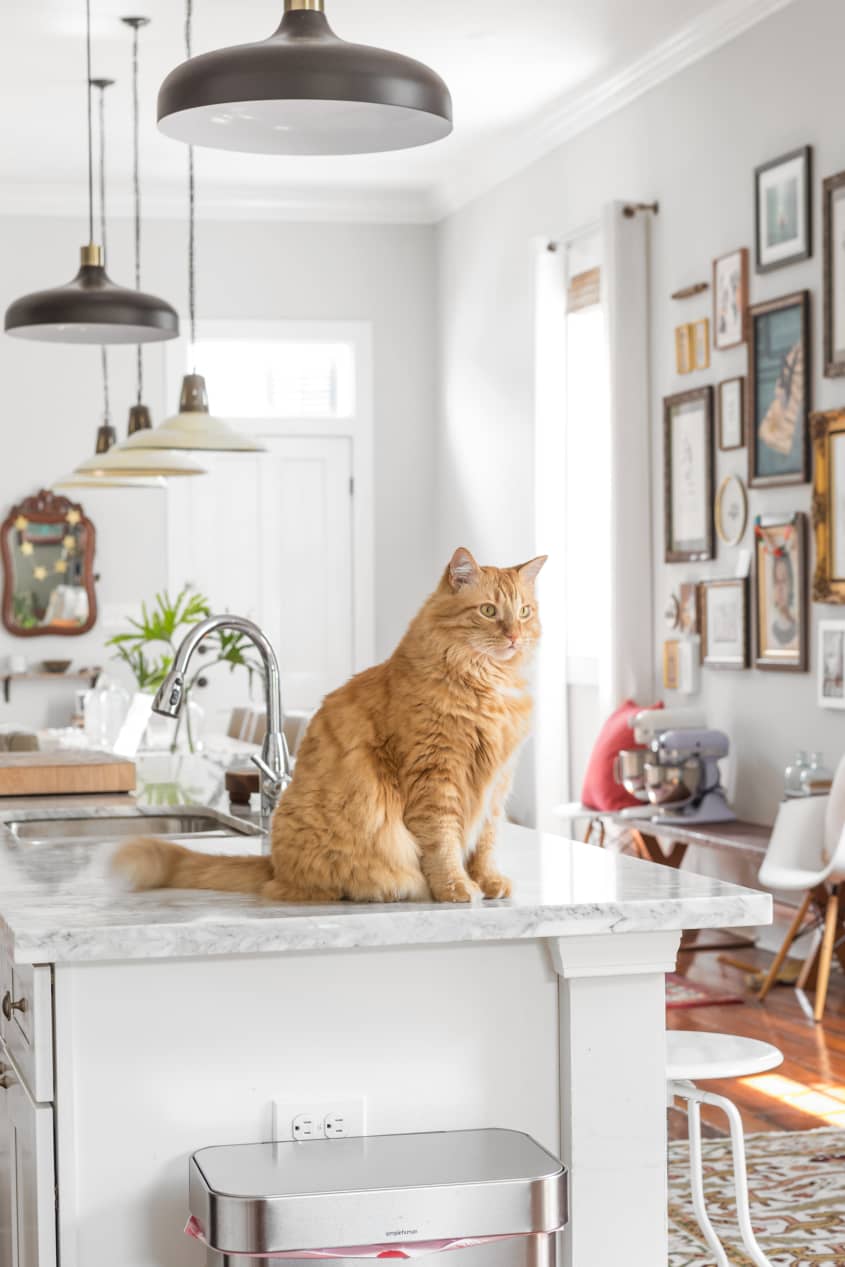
{"x": 827, "y": 588}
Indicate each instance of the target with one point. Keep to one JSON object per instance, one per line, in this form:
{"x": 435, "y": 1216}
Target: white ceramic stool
{"x": 691, "y": 1056}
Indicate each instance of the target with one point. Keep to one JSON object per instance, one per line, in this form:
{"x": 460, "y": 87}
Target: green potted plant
{"x": 148, "y": 648}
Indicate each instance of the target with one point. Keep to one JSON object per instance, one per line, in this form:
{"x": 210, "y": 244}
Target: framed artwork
{"x": 701, "y": 344}
{"x": 683, "y": 349}
{"x": 779, "y": 391}
{"x": 730, "y": 299}
{"x": 671, "y": 664}
{"x": 725, "y": 624}
{"x": 688, "y": 475}
{"x": 780, "y": 546}
{"x": 828, "y": 432}
{"x": 831, "y": 661}
{"x": 688, "y": 595}
{"x": 833, "y": 271}
{"x": 783, "y": 210}
{"x": 731, "y": 510}
{"x": 732, "y": 413}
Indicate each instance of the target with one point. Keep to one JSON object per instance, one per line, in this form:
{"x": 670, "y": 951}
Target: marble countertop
{"x": 58, "y": 903}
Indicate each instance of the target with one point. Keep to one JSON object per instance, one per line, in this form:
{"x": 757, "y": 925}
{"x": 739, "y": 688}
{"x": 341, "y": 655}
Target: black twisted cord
{"x": 104, "y": 356}
{"x": 136, "y": 185}
{"x": 192, "y": 232}
{"x": 90, "y": 121}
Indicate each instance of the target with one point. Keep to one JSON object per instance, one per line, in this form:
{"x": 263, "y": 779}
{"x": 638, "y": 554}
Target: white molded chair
{"x": 806, "y": 854}
{"x": 692, "y": 1056}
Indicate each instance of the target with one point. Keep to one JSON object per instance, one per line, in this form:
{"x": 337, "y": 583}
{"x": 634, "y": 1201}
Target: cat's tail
{"x": 148, "y": 863}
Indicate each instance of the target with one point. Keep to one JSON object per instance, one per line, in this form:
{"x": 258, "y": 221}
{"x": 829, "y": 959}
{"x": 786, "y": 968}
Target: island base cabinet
{"x": 27, "y": 1178}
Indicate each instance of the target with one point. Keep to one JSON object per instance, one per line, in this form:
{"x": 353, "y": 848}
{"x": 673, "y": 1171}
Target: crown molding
{"x": 322, "y": 204}
{"x": 477, "y": 170}
{"x": 521, "y": 146}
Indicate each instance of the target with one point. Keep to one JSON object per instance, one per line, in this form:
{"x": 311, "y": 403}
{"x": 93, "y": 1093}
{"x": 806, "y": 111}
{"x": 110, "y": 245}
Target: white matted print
{"x": 831, "y": 661}
{"x": 724, "y": 623}
{"x": 688, "y": 475}
{"x": 732, "y": 413}
{"x": 730, "y": 299}
{"x": 783, "y": 210}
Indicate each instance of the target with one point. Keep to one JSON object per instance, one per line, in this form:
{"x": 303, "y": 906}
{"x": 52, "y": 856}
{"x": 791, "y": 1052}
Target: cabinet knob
{"x": 6, "y": 1081}
{"x": 11, "y": 1005}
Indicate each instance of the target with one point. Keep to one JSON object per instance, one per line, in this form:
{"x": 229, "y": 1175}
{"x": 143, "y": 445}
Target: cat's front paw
{"x": 494, "y": 885}
{"x": 455, "y": 889}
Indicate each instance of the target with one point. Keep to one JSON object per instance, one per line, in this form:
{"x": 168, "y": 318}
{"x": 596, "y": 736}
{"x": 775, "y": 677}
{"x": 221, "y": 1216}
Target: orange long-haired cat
{"x": 403, "y": 772}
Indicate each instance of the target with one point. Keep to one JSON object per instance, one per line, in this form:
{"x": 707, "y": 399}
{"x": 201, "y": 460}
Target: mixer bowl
{"x": 628, "y": 769}
{"x": 671, "y": 782}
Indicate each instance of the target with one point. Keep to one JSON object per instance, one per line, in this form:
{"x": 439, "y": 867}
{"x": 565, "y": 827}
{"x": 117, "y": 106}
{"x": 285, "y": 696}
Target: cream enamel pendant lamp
{"x": 91, "y": 308}
{"x": 304, "y": 91}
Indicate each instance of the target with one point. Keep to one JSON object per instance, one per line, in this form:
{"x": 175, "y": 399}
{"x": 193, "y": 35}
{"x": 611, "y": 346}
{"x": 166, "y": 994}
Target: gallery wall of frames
{"x": 752, "y": 611}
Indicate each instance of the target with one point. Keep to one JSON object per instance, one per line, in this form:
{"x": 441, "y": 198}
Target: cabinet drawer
{"x": 27, "y": 1009}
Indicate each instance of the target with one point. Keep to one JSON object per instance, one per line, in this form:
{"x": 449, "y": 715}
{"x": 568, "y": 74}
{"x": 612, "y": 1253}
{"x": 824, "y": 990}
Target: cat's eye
{"x": 524, "y": 613}
{"x": 488, "y": 610}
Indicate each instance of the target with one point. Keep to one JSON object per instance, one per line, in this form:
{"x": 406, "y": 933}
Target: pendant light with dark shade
{"x": 91, "y": 308}
{"x": 193, "y": 427}
{"x": 304, "y": 91}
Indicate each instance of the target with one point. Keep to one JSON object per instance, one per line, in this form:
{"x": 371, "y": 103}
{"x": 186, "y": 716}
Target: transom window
{"x": 278, "y": 378}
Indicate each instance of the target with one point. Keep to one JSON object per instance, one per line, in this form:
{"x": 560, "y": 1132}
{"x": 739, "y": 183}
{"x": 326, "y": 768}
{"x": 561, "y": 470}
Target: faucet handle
{"x": 271, "y": 775}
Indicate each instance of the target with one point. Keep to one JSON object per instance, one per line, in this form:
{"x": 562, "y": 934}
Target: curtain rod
{"x": 631, "y": 208}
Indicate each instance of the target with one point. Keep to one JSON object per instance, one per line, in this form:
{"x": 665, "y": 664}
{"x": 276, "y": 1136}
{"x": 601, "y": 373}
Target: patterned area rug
{"x": 797, "y": 1186}
{"x": 680, "y": 992}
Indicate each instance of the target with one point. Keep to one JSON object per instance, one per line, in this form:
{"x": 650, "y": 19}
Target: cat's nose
{"x": 513, "y": 638}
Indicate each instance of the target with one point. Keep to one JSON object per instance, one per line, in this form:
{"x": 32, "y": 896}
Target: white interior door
{"x": 307, "y": 594}
{"x": 269, "y": 536}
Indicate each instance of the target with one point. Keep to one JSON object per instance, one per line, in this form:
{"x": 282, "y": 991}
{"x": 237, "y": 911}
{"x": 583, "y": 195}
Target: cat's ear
{"x": 528, "y": 571}
{"x": 463, "y": 569}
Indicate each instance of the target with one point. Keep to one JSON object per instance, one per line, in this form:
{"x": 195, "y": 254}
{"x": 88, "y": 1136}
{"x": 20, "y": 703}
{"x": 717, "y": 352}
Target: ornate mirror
{"x": 47, "y": 545}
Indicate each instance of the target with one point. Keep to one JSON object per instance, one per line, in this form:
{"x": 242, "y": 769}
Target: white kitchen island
{"x": 156, "y": 1024}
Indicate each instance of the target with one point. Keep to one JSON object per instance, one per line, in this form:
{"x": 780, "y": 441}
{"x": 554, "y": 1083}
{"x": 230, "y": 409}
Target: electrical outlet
{"x": 316, "y": 1117}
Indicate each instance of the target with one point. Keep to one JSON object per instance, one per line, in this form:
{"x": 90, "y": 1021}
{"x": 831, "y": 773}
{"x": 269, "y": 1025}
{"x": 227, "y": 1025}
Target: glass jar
{"x": 792, "y": 774}
{"x": 817, "y": 779}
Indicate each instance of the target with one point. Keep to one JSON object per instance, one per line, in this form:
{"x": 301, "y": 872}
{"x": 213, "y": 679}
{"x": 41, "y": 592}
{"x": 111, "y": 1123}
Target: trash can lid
{"x": 313, "y": 1194}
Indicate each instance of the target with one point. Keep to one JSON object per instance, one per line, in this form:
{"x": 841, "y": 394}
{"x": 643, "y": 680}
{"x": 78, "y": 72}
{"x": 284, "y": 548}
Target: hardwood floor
{"x": 808, "y": 1090}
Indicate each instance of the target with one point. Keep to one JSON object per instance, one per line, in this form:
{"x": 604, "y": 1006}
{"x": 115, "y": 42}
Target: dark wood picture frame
{"x": 738, "y": 378}
{"x": 712, "y": 662}
{"x": 673, "y": 553}
{"x": 46, "y": 507}
{"x": 832, "y": 367}
{"x": 742, "y": 252}
{"x": 800, "y": 298}
{"x": 800, "y": 662}
{"x": 806, "y": 153}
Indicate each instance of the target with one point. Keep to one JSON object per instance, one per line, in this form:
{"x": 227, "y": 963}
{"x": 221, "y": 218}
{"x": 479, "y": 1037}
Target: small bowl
{"x": 56, "y": 666}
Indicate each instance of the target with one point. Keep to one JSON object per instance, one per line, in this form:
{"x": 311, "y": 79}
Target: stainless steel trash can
{"x": 381, "y": 1196}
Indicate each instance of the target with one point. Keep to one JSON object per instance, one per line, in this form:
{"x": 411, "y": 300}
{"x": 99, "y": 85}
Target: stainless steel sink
{"x": 192, "y": 823}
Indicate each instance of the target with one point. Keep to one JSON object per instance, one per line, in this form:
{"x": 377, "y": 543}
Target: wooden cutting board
{"x": 60, "y": 773}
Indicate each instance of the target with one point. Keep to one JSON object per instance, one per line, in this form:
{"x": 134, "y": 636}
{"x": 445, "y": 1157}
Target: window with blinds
{"x": 278, "y": 378}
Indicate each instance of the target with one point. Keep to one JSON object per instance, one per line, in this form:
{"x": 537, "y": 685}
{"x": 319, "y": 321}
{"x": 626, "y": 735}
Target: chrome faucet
{"x": 274, "y": 765}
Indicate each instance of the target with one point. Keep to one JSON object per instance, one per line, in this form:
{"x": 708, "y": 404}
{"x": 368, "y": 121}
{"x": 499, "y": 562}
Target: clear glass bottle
{"x": 792, "y": 774}
{"x": 816, "y": 780}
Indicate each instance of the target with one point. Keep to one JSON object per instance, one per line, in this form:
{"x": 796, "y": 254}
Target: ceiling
{"x": 521, "y": 72}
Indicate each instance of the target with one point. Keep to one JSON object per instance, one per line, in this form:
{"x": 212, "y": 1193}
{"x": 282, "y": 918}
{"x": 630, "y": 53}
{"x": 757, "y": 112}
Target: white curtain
{"x": 626, "y": 662}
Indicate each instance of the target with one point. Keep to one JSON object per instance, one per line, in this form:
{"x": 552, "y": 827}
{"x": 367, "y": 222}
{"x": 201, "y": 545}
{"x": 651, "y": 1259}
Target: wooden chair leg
{"x": 772, "y": 974}
{"x": 830, "y": 924}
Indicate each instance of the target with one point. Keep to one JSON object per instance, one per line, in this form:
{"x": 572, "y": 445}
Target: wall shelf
{"x": 82, "y": 675}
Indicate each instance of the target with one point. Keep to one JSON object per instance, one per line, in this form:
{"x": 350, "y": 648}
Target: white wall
{"x": 52, "y": 396}
{"x": 693, "y": 143}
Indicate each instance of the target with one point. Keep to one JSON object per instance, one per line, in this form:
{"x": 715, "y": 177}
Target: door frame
{"x": 358, "y": 428}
